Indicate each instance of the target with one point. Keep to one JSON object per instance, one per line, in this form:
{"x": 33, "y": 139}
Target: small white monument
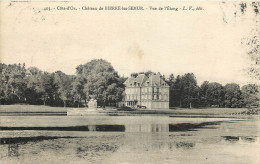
{"x": 91, "y": 110}
{"x": 92, "y": 104}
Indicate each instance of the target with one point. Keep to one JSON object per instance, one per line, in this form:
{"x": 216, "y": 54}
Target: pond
{"x": 128, "y": 139}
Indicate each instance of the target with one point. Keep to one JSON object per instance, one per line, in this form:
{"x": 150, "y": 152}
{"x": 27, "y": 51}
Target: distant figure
{"x": 92, "y": 104}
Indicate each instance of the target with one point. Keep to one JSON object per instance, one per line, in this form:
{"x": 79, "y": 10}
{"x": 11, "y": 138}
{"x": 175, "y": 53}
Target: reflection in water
{"x": 249, "y": 139}
{"x": 101, "y": 127}
{"x": 231, "y": 138}
{"x": 238, "y": 138}
{"x": 24, "y": 140}
{"x": 167, "y": 127}
{"x": 165, "y": 141}
{"x": 147, "y": 128}
{"x": 123, "y": 128}
{"x": 189, "y": 126}
{"x": 107, "y": 128}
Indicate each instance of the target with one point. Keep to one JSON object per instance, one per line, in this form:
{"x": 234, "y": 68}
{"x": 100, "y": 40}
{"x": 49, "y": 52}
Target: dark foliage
{"x": 95, "y": 79}
{"x": 98, "y": 79}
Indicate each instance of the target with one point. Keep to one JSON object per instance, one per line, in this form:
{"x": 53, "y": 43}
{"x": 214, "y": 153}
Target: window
{"x": 152, "y": 93}
{"x": 157, "y": 94}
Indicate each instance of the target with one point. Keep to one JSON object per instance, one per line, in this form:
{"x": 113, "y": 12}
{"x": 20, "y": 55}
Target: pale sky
{"x": 132, "y": 41}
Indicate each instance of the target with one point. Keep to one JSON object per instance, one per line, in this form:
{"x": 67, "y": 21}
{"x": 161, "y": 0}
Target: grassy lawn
{"x": 31, "y": 108}
{"x": 183, "y": 111}
{"x": 180, "y": 111}
{"x": 215, "y": 111}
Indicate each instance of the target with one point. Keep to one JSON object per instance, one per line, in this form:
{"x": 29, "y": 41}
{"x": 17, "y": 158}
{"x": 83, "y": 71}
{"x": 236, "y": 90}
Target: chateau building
{"x": 151, "y": 92}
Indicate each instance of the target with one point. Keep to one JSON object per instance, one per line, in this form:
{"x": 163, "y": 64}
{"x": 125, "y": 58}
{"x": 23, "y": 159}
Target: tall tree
{"x": 4, "y": 84}
{"x": 203, "y": 94}
{"x": 250, "y": 94}
{"x": 190, "y": 89}
{"x": 63, "y": 82}
{"x": 215, "y": 94}
{"x": 171, "y": 81}
{"x": 13, "y": 82}
{"x": 101, "y": 81}
{"x": 34, "y": 92}
{"x": 78, "y": 89}
{"x": 177, "y": 92}
{"x": 233, "y": 96}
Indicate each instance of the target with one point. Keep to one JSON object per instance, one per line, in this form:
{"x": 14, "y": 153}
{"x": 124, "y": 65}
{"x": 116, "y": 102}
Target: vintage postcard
{"x": 129, "y": 82}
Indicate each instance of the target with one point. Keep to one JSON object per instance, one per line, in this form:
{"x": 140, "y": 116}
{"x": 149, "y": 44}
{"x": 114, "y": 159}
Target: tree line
{"x": 97, "y": 79}
{"x": 185, "y": 92}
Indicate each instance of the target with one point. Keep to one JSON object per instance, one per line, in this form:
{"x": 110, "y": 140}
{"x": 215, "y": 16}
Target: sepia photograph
{"x": 129, "y": 82}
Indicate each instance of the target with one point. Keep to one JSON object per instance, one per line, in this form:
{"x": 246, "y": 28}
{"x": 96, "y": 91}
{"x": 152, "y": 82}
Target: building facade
{"x": 151, "y": 92}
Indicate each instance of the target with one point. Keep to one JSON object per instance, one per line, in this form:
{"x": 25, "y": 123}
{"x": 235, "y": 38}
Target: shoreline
{"x": 40, "y": 110}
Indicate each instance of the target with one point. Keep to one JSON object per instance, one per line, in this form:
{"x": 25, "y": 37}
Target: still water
{"x": 128, "y": 139}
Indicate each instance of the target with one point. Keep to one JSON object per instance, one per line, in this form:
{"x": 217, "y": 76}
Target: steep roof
{"x": 142, "y": 79}
{"x": 129, "y": 80}
{"x": 156, "y": 80}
